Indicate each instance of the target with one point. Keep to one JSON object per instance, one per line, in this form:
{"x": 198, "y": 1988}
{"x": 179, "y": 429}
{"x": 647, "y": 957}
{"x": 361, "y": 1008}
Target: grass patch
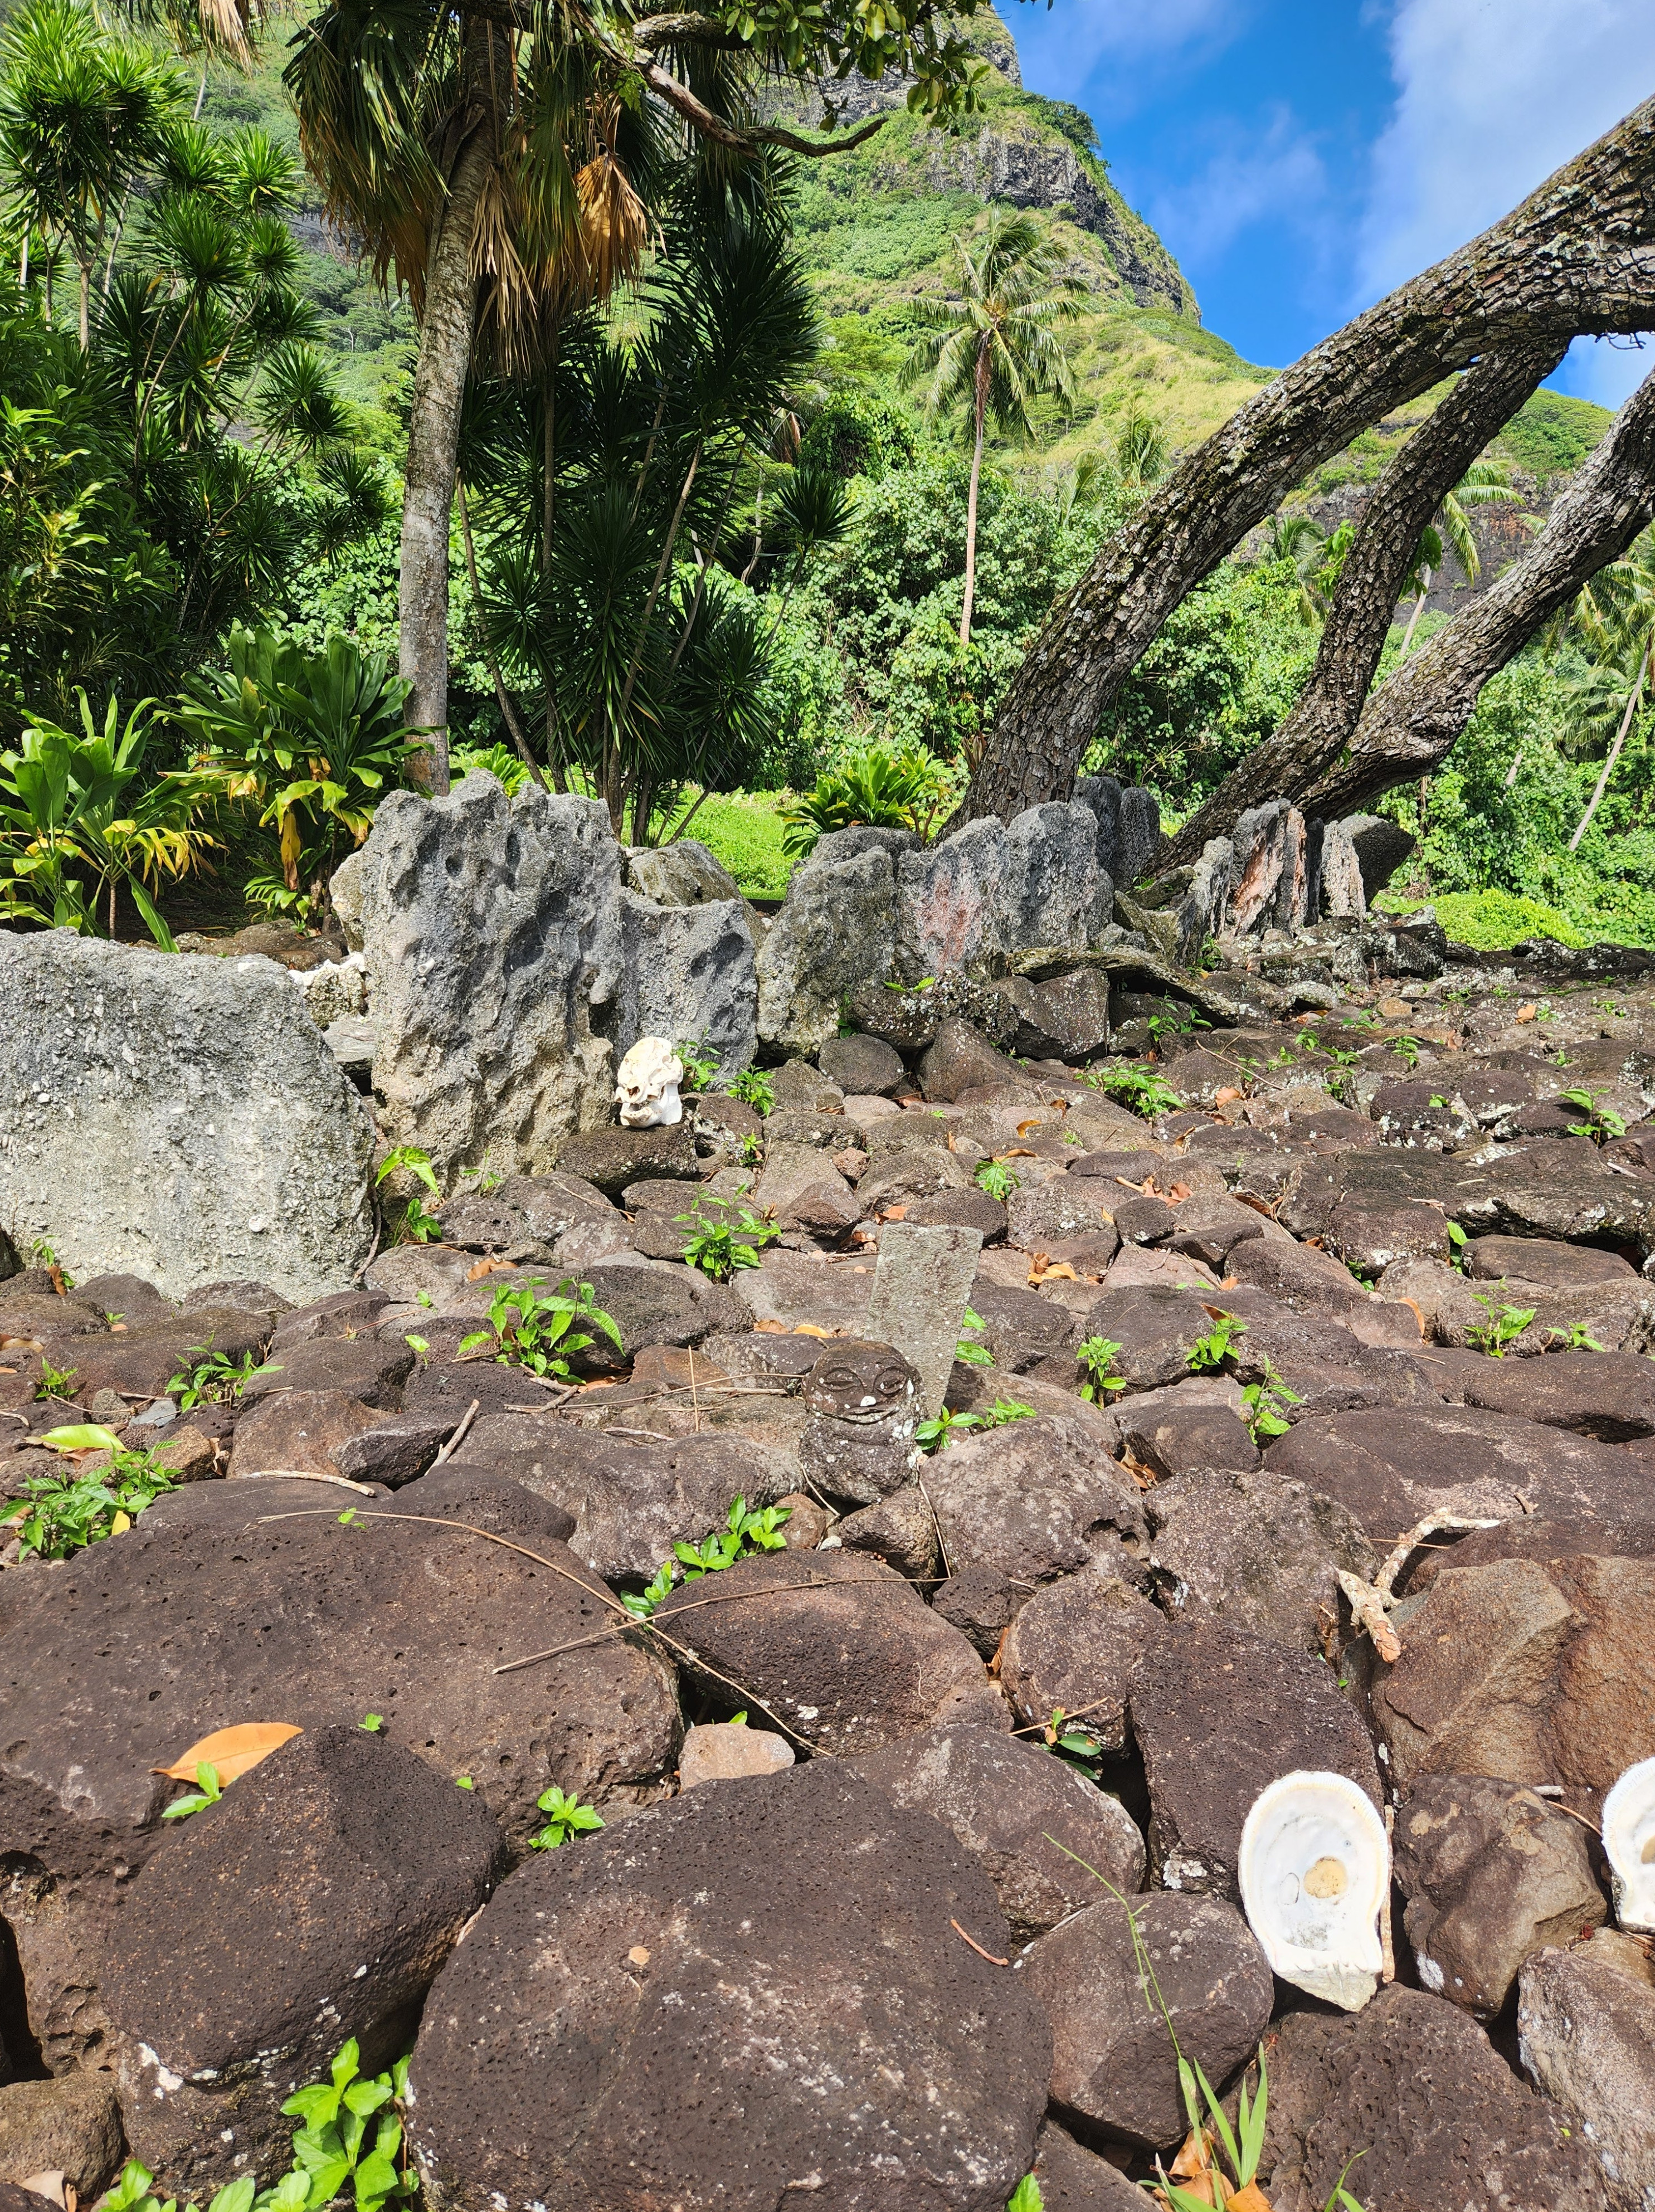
{"x": 1490, "y": 920}
{"x": 744, "y": 830}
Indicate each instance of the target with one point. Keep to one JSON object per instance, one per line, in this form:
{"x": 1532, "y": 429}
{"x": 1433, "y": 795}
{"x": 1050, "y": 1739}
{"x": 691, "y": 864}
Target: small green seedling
{"x": 208, "y": 1791}
{"x": 934, "y": 1436}
{"x": 213, "y": 1378}
{"x": 1097, "y": 1356}
{"x": 700, "y": 1063}
{"x": 1081, "y": 1746}
{"x": 541, "y": 1333}
{"x": 60, "y": 1514}
{"x": 415, "y": 1160}
{"x": 332, "y": 2150}
{"x": 744, "y": 1533}
{"x": 566, "y": 1818}
{"x": 1140, "y": 1088}
{"x": 1578, "y": 1338}
{"x": 418, "y": 1226}
{"x": 994, "y": 1177}
{"x": 1027, "y": 2196}
{"x": 1406, "y": 1049}
{"x": 967, "y": 1348}
{"x": 718, "y": 1249}
{"x": 1602, "y": 1123}
{"x": 1456, "y": 1246}
{"x": 1504, "y": 1326}
{"x": 371, "y": 1723}
{"x": 749, "y": 1150}
{"x": 1265, "y": 1404}
{"x": 1208, "y": 1353}
{"x": 754, "y": 1088}
{"x": 55, "y": 1381}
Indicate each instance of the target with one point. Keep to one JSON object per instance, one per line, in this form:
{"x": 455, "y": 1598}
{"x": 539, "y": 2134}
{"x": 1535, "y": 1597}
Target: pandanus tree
{"x": 996, "y": 346}
{"x": 481, "y": 151}
{"x": 613, "y": 496}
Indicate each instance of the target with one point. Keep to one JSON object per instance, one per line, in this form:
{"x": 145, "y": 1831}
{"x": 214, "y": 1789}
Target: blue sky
{"x": 1302, "y": 156}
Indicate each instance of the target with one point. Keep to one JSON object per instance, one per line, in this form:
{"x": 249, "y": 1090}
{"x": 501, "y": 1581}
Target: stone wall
{"x": 175, "y": 1116}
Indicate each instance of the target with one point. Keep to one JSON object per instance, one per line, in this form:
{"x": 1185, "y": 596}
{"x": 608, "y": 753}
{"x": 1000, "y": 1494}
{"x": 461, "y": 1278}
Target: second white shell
{"x": 1314, "y": 1866}
{"x": 1629, "y": 1845}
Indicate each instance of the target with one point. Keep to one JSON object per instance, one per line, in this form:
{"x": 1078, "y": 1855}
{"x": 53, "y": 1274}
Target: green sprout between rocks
{"x": 60, "y": 1514}
{"x": 1578, "y": 1338}
{"x": 54, "y": 1382}
{"x": 1602, "y": 1122}
{"x": 541, "y": 1333}
{"x": 1140, "y": 1088}
{"x": 1208, "y": 1353}
{"x": 1504, "y": 1326}
{"x": 1097, "y": 1356}
{"x": 753, "y": 1088}
{"x": 700, "y": 1063}
{"x": 967, "y": 1348}
{"x": 210, "y": 1377}
{"x": 417, "y": 1226}
{"x": 566, "y": 1817}
{"x": 994, "y": 1177}
{"x": 1265, "y": 1404}
{"x": 932, "y": 1435}
{"x": 718, "y": 1249}
{"x": 207, "y": 1790}
{"x": 745, "y": 1531}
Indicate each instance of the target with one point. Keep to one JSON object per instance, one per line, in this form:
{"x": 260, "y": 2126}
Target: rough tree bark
{"x": 1578, "y": 256}
{"x": 1407, "y": 496}
{"x": 1408, "y": 726}
{"x": 446, "y": 331}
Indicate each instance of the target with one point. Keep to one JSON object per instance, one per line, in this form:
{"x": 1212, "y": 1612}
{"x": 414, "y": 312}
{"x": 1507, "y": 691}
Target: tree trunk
{"x": 1408, "y": 727}
{"x": 1574, "y": 258}
{"x": 445, "y": 354}
{"x": 1403, "y": 502}
{"x": 980, "y": 407}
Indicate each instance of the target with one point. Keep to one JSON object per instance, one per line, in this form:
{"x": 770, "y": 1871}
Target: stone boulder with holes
{"x": 631, "y": 1499}
{"x": 339, "y": 1852}
{"x": 1078, "y": 1644}
{"x": 1114, "y": 2066}
{"x": 1252, "y": 1549}
{"x": 1492, "y": 1873}
{"x": 837, "y": 1648}
{"x": 1442, "y": 2123}
{"x": 1217, "y": 1715}
{"x": 659, "y": 2017}
{"x": 1527, "y": 1669}
{"x": 71, "y": 2126}
{"x": 1007, "y": 1799}
{"x": 1585, "y": 2023}
{"x": 1036, "y": 1499}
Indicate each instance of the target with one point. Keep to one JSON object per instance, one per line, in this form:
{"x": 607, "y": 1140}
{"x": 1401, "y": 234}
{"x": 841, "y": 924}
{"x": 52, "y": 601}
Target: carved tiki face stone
{"x": 870, "y": 1385}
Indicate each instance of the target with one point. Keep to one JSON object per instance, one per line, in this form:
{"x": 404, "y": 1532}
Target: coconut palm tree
{"x": 996, "y": 346}
{"x": 1615, "y": 617}
{"x": 1484, "y": 483}
{"x": 1295, "y": 539}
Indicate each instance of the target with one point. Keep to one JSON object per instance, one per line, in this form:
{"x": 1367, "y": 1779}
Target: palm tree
{"x": 996, "y": 346}
{"x": 1295, "y": 539}
{"x": 1484, "y": 483}
{"x": 1616, "y": 616}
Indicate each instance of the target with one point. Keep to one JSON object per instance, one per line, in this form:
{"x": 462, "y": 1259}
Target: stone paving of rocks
{"x": 880, "y": 1955}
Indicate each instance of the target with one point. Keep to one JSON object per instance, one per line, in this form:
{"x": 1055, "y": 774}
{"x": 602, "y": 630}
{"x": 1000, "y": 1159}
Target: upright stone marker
{"x": 922, "y": 1287}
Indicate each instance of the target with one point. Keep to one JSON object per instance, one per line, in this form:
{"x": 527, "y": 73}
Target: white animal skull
{"x": 1314, "y": 1867}
{"x": 1629, "y": 1845}
{"x": 647, "y": 1087}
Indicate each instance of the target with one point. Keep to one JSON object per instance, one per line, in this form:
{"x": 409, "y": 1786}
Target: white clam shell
{"x": 1629, "y": 1845}
{"x": 1315, "y": 1865}
{"x": 647, "y": 1086}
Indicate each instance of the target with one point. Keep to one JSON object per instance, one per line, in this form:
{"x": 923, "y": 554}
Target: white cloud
{"x": 1061, "y": 47}
{"x": 1491, "y": 96}
{"x": 1278, "y": 176}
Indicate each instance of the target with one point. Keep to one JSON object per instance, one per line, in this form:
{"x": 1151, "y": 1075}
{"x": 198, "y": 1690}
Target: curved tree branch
{"x": 1408, "y": 726}
{"x": 1578, "y": 255}
{"x": 1419, "y": 477}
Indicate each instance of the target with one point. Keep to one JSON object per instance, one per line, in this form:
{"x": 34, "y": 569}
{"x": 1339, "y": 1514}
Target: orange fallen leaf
{"x": 771, "y": 1328}
{"x": 1062, "y": 1272}
{"x": 1015, "y": 1152}
{"x": 1419, "y": 1311}
{"x": 810, "y": 1328}
{"x": 1250, "y": 2199}
{"x": 1178, "y": 1193}
{"x": 489, "y": 1267}
{"x": 233, "y": 1751}
{"x": 1225, "y": 1096}
{"x": 894, "y": 1214}
{"x": 1526, "y": 1013}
